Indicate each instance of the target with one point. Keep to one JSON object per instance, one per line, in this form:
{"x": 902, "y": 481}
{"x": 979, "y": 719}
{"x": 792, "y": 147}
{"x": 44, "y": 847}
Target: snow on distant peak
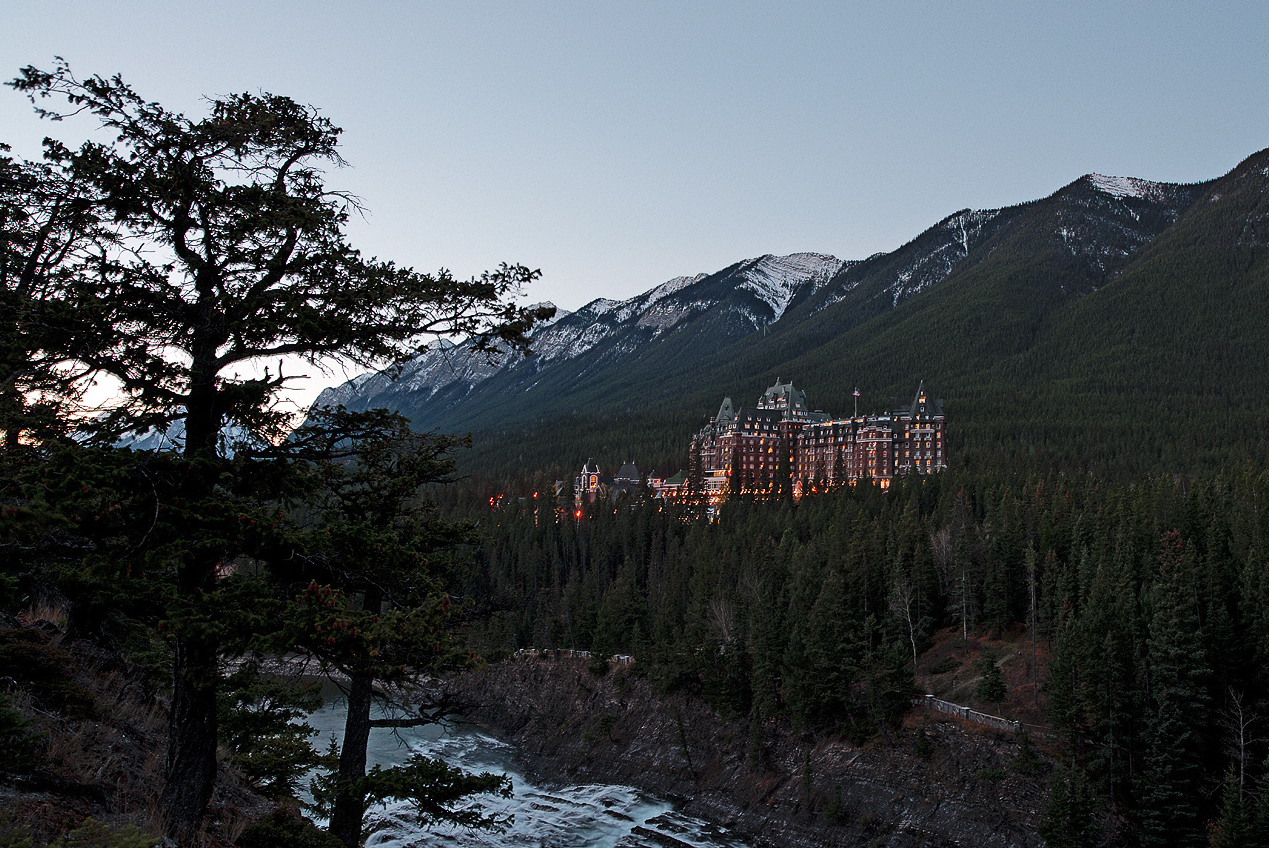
{"x": 542, "y": 325}
{"x": 775, "y": 278}
{"x": 669, "y": 287}
{"x": 1125, "y": 186}
{"x": 600, "y": 306}
{"x": 546, "y": 304}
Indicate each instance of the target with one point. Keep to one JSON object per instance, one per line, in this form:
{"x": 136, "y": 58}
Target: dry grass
{"x": 957, "y": 679}
{"x": 44, "y": 610}
{"x": 103, "y": 758}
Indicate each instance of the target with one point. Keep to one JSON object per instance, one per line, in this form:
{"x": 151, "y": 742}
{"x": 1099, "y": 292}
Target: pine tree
{"x": 767, "y": 631}
{"x": 693, "y": 501}
{"x": 1170, "y": 788}
{"x": 216, "y": 245}
{"x": 1069, "y": 813}
{"x": 374, "y": 609}
{"x": 1234, "y": 826}
{"x": 991, "y": 685}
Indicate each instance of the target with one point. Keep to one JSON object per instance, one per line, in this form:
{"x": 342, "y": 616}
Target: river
{"x": 547, "y": 815}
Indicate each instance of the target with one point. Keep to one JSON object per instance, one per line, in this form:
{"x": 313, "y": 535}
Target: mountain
{"x": 1099, "y": 324}
{"x": 234, "y": 437}
{"x": 1027, "y": 262}
{"x": 447, "y": 385}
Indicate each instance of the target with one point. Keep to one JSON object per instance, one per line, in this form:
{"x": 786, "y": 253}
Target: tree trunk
{"x": 202, "y": 416}
{"x": 191, "y": 749}
{"x": 191, "y": 746}
{"x": 350, "y": 801}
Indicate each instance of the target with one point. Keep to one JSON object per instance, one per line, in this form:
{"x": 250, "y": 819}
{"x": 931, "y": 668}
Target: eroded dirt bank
{"x": 785, "y": 789}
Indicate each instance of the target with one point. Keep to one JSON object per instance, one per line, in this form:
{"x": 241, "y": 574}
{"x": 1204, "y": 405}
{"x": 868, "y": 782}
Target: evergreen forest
{"x": 1141, "y": 603}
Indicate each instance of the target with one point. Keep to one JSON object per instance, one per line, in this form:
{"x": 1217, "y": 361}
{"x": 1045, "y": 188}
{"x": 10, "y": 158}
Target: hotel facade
{"x": 756, "y": 448}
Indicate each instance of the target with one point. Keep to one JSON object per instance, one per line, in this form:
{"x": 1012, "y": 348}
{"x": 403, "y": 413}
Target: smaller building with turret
{"x": 592, "y": 485}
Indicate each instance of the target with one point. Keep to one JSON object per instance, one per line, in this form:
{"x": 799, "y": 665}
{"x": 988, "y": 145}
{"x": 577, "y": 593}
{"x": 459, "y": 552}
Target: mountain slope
{"x": 1156, "y": 368}
{"x": 1171, "y": 353}
{"x": 998, "y": 298}
{"x": 447, "y": 386}
{"x": 1056, "y": 327}
{"x": 971, "y": 289}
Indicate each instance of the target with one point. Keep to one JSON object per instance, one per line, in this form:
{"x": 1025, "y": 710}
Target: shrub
{"x": 286, "y": 829}
{"x": 13, "y": 835}
{"x": 923, "y": 747}
{"x": 29, "y": 658}
{"x": 1027, "y": 761}
{"x": 835, "y": 811}
{"x": 18, "y": 744}
{"x": 94, "y": 834}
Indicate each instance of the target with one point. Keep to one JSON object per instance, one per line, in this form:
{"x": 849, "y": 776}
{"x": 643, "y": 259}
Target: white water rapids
{"x": 546, "y": 816}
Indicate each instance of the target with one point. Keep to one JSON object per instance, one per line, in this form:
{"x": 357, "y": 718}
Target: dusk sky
{"x": 617, "y": 145}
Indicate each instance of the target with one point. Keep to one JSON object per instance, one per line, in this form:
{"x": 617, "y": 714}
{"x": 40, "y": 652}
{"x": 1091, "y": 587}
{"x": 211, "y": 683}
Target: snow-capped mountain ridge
{"x": 670, "y": 287}
{"x": 775, "y": 280}
{"x": 1126, "y": 186}
{"x": 612, "y": 330}
{"x": 701, "y": 326}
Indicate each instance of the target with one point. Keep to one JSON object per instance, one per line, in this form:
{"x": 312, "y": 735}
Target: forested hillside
{"x": 1143, "y": 602}
{"x": 1105, "y": 507}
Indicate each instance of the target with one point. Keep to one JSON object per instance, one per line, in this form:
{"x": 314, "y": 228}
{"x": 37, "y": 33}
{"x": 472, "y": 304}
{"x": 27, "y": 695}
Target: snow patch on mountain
{"x": 958, "y": 235}
{"x": 776, "y": 279}
{"x": 662, "y": 316}
{"x": 1122, "y": 187}
{"x": 669, "y": 287}
{"x": 233, "y": 437}
{"x": 1104, "y": 228}
{"x": 588, "y": 338}
{"x": 600, "y": 306}
{"x": 546, "y": 304}
{"x": 440, "y": 364}
{"x": 564, "y": 340}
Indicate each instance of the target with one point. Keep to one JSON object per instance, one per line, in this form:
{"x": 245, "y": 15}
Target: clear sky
{"x": 615, "y": 145}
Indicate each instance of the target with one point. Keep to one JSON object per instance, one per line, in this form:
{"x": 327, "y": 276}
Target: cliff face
{"x": 777, "y": 788}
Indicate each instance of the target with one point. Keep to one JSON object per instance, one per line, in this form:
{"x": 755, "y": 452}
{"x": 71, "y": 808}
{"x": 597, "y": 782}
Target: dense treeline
{"x": 1149, "y": 598}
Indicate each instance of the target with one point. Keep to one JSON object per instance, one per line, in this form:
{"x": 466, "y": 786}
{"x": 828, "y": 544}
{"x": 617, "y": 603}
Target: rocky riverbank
{"x": 936, "y": 783}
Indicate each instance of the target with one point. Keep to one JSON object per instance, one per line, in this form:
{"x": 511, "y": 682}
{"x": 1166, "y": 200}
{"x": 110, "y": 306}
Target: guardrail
{"x": 933, "y": 703}
{"x": 567, "y": 653}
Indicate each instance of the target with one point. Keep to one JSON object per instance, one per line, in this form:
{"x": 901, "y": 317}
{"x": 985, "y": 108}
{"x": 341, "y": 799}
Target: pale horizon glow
{"x": 617, "y": 146}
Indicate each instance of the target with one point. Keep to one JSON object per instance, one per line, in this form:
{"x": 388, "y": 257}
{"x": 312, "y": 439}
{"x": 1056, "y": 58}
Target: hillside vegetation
{"x": 1135, "y": 614}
